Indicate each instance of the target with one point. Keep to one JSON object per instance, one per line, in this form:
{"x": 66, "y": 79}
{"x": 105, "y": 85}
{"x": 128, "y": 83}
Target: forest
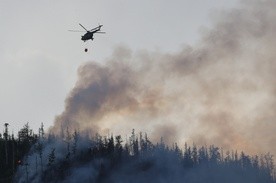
{"x": 75, "y": 157}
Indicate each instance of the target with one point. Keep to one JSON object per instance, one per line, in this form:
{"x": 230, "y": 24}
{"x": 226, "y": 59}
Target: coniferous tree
{"x": 202, "y": 155}
{"x": 188, "y": 161}
{"x": 67, "y": 141}
{"x": 214, "y": 154}
{"x": 51, "y": 157}
{"x": 39, "y": 148}
{"x": 41, "y": 132}
{"x": 118, "y": 147}
{"x": 194, "y": 155}
{"x": 75, "y": 140}
{"x": 177, "y": 151}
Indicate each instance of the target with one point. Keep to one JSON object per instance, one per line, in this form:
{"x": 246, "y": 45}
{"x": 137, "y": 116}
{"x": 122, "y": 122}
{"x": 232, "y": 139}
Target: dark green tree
{"x": 51, "y": 157}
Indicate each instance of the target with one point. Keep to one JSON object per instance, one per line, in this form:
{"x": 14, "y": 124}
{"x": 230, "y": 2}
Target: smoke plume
{"x": 220, "y": 91}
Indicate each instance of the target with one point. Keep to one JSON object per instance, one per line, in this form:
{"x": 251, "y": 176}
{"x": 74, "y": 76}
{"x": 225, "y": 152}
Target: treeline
{"x": 13, "y": 149}
{"x": 72, "y": 157}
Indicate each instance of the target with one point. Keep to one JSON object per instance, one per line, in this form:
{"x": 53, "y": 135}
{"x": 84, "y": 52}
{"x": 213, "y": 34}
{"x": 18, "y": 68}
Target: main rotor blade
{"x": 100, "y": 32}
{"x": 97, "y": 28}
{"x": 83, "y": 27}
{"x": 76, "y": 31}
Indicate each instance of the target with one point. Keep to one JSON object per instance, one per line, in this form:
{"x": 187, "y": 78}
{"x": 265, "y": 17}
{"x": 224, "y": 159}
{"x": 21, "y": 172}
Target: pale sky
{"x": 39, "y": 57}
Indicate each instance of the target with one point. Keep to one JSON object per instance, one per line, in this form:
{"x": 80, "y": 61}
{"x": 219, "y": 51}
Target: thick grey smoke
{"x": 220, "y": 91}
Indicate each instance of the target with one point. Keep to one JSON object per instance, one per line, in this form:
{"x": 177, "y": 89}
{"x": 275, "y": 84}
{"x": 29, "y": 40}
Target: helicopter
{"x": 89, "y": 33}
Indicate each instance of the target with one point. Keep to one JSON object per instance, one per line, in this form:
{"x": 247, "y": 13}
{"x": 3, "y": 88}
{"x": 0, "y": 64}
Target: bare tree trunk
{"x": 6, "y": 142}
{"x": 27, "y": 172}
{"x": 36, "y": 164}
{"x": 13, "y": 160}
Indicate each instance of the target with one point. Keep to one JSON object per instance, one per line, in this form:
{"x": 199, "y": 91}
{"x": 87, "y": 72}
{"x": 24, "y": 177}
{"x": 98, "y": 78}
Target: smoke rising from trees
{"x": 220, "y": 91}
{"x": 77, "y": 158}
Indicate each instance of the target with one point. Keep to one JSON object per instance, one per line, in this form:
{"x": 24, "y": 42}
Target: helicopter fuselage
{"x": 87, "y": 36}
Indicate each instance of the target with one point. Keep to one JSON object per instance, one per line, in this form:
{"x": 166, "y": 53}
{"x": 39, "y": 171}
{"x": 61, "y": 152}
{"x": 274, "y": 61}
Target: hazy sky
{"x": 39, "y": 57}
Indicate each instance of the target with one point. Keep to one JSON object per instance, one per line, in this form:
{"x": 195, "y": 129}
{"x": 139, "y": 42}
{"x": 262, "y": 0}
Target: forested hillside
{"x": 74, "y": 157}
